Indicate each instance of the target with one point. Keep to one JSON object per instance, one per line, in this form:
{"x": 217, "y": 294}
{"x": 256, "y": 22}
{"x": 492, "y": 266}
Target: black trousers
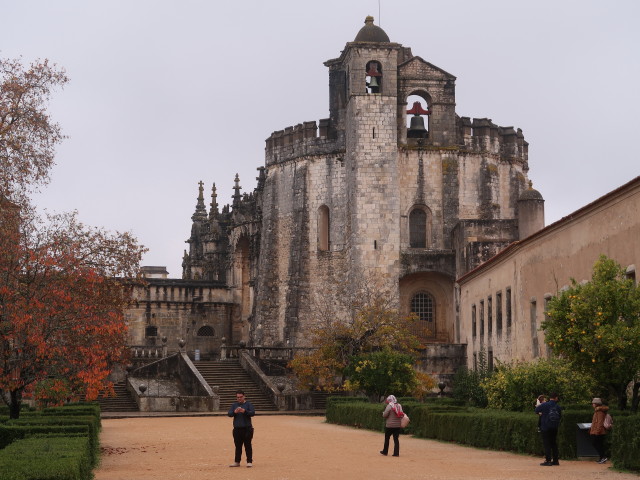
{"x": 388, "y": 432}
{"x": 550, "y": 442}
{"x": 598, "y": 444}
{"x": 243, "y": 436}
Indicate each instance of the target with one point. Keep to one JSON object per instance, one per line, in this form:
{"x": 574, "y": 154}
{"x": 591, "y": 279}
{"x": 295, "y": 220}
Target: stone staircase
{"x": 229, "y": 376}
{"x": 122, "y": 402}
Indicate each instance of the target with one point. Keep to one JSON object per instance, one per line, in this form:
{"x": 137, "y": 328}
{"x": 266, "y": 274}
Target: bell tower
{"x": 370, "y": 65}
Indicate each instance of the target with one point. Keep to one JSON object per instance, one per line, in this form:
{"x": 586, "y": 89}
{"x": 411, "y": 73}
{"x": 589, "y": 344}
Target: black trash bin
{"x": 583, "y": 441}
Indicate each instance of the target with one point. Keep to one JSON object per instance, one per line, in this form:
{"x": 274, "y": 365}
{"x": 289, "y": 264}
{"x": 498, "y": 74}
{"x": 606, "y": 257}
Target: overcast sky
{"x": 164, "y": 94}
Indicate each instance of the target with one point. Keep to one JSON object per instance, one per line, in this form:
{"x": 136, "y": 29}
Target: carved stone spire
{"x": 201, "y": 212}
{"x": 213, "y": 212}
{"x": 261, "y": 178}
{"x": 236, "y": 196}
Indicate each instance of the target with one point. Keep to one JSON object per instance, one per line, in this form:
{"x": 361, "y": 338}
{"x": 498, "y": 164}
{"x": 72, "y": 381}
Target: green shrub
{"x": 11, "y": 433}
{"x": 625, "y": 442}
{"x": 92, "y": 422}
{"x": 365, "y": 415}
{"x": 47, "y": 458}
{"x": 444, "y": 401}
{"x": 467, "y": 387}
{"x": 80, "y": 409}
{"x": 495, "y": 429}
{"x": 341, "y": 399}
{"x": 516, "y": 386}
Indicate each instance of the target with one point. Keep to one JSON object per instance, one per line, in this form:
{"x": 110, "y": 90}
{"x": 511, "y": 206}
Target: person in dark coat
{"x": 551, "y": 413}
{"x": 242, "y": 410}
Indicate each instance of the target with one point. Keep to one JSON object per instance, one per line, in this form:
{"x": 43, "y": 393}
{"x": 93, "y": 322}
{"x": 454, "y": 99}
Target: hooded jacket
{"x": 597, "y": 422}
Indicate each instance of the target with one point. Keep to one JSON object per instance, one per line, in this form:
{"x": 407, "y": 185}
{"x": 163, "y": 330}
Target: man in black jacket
{"x": 549, "y": 424}
{"x": 241, "y": 410}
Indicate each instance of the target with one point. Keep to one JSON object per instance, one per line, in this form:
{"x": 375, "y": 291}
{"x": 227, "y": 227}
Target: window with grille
{"x": 205, "y": 331}
{"x": 422, "y": 306}
{"x": 151, "y": 331}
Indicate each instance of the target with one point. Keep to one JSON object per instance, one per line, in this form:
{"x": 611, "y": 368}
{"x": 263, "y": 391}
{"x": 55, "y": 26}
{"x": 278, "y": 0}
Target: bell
{"x": 373, "y": 70}
{"x": 374, "y": 85}
{"x": 416, "y": 128}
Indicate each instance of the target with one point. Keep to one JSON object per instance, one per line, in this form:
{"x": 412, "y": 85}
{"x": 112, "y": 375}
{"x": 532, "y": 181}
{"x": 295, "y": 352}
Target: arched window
{"x": 423, "y": 306}
{"x": 205, "y": 331}
{"x": 373, "y": 78}
{"x": 151, "y": 331}
{"x": 418, "y": 228}
{"x": 418, "y": 114}
{"x": 323, "y": 228}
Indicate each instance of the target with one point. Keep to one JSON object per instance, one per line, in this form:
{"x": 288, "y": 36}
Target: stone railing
{"x": 171, "y": 384}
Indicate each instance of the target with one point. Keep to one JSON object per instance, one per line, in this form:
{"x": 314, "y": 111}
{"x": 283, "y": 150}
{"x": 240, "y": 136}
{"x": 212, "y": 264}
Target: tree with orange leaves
{"x": 62, "y": 301}
{"x": 62, "y": 306}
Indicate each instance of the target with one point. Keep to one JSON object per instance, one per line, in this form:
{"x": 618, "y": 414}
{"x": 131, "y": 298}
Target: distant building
{"x": 154, "y": 272}
{"x": 503, "y": 301}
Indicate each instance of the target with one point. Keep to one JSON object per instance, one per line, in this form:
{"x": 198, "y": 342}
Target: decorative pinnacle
{"x": 201, "y": 211}
{"x": 236, "y": 189}
{"x": 213, "y": 212}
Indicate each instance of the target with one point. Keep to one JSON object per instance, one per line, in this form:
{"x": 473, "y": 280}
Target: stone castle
{"x": 394, "y": 188}
{"x": 394, "y": 185}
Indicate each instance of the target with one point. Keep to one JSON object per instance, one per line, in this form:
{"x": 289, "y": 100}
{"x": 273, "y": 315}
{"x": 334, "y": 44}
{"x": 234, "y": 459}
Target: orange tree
{"x": 61, "y": 305}
{"x": 596, "y": 327}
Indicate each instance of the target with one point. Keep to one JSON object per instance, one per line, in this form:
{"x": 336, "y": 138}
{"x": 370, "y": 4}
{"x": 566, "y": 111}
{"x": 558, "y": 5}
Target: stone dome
{"x": 530, "y": 194}
{"x": 371, "y": 33}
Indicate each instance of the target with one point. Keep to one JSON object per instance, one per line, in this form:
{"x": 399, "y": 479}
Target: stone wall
{"x": 179, "y": 309}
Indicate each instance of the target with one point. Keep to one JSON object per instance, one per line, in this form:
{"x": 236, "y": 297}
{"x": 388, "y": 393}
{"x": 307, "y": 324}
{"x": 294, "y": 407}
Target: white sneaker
{"x": 235, "y": 464}
{"x": 249, "y": 465}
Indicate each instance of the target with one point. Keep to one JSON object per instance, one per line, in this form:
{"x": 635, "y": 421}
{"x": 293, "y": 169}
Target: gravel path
{"x": 305, "y": 448}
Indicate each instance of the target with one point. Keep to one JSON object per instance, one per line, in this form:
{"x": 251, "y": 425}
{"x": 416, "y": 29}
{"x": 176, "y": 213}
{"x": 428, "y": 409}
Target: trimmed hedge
{"x": 625, "y": 442}
{"x": 12, "y": 433}
{"x": 91, "y": 421}
{"x": 74, "y": 409}
{"x": 365, "y": 415}
{"x": 47, "y": 458}
{"x": 341, "y": 399}
{"x": 496, "y": 429}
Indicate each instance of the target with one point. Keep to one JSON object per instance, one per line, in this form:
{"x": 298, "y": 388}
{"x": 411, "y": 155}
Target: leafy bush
{"x": 516, "y": 386}
{"x": 467, "y": 387}
{"x": 386, "y": 372}
{"x": 625, "y": 442}
{"x": 46, "y": 458}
